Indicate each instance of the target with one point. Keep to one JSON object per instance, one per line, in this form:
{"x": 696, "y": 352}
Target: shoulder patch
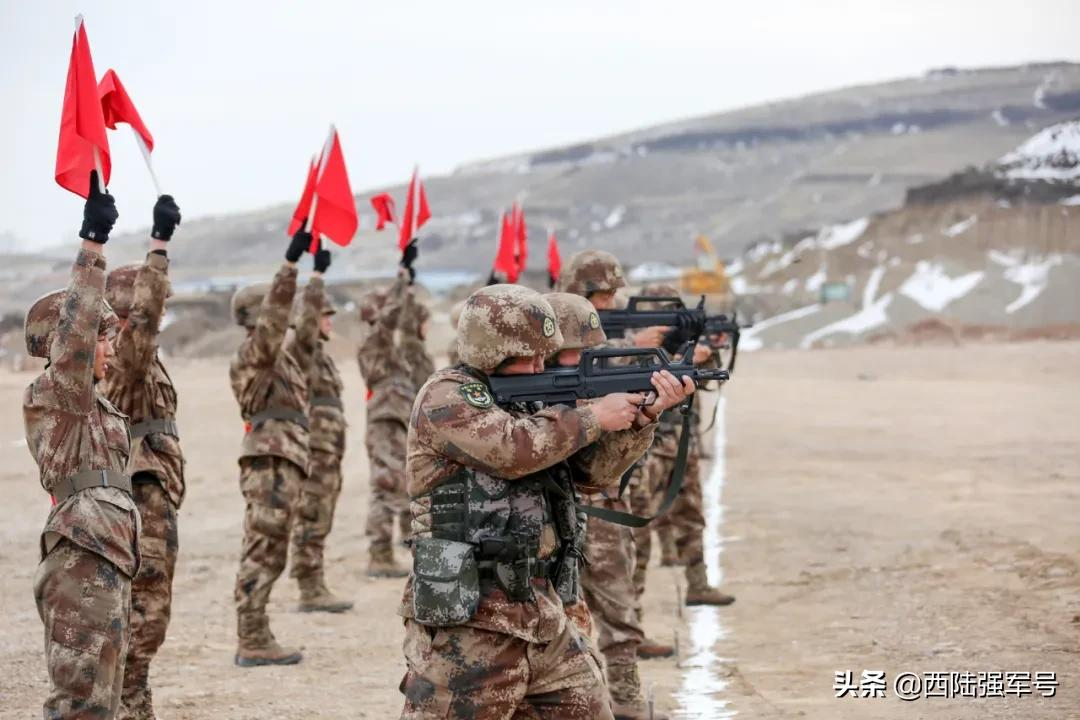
{"x": 594, "y": 321}
{"x": 549, "y": 326}
{"x": 477, "y": 395}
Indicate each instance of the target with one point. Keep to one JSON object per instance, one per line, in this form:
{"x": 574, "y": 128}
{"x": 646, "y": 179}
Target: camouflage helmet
{"x": 328, "y": 307}
{"x": 665, "y": 291}
{"x": 591, "y": 271}
{"x": 578, "y": 321}
{"x": 43, "y": 317}
{"x": 505, "y": 321}
{"x": 247, "y": 302}
{"x": 120, "y": 288}
{"x": 370, "y": 303}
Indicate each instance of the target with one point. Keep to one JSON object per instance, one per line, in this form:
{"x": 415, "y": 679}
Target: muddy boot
{"x": 381, "y": 564}
{"x": 314, "y": 597}
{"x": 258, "y": 646}
{"x": 627, "y": 700}
{"x": 650, "y": 649}
{"x": 136, "y": 703}
{"x": 669, "y": 554}
{"x": 699, "y": 591}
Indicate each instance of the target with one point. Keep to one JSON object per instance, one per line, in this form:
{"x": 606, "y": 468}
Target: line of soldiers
{"x": 509, "y": 578}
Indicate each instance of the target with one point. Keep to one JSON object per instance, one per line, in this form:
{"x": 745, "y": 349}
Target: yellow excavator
{"x": 708, "y": 278}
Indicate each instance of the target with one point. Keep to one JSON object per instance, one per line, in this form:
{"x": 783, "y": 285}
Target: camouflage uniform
{"x": 269, "y": 377}
{"x": 90, "y": 542}
{"x": 388, "y": 374}
{"x": 138, "y": 385}
{"x": 319, "y": 494}
{"x": 486, "y": 634}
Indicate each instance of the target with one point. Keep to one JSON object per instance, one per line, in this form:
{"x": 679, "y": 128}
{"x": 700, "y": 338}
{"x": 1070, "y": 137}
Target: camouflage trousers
{"x": 466, "y": 673}
{"x": 385, "y": 440}
{"x": 684, "y": 518}
{"x": 315, "y": 514}
{"x": 607, "y": 584}
{"x": 84, "y": 601}
{"x": 271, "y": 486}
{"x": 151, "y": 592}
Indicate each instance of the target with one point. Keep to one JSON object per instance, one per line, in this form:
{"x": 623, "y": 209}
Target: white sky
{"x": 238, "y": 95}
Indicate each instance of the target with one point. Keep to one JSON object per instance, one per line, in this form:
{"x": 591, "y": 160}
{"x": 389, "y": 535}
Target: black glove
{"x": 99, "y": 213}
{"x": 322, "y": 259}
{"x": 408, "y": 257}
{"x": 301, "y": 241}
{"x": 166, "y": 218}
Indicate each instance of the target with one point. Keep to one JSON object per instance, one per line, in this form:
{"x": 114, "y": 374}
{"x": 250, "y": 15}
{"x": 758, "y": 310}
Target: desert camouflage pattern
{"x": 272, "y": 366}
{"x": 151, "y": 594}
{"x": 43, "y": 318}
{"x": 370, "y": 304}
{"x": 465, "y": 673}
{"x": 505, "y": 321}
{"x": 320, "y": 491}
{"x": 658, "y": 291}
{"x": 413, "y": 316}
{"x": 389, "y": 503}
{"x": 591, "y": 271}
{"x": 137, "y": 383}
{"x": 383, "y": 365}
{"x": 578, "y": 321}
{"x": 84, "y": 602}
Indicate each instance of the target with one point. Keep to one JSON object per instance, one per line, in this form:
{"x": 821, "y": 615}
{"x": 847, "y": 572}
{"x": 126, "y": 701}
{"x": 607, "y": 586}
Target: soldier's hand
{"x": 617, "y": 411}
{"x": 669, "y": 393}
{"x": 322, "y": 259}
{"x": 650, "y": 337}
{"x": 99, "y": 213}
{"x": 300, "y": 242}
{"x": 702, "y": 353}
{"x": 166, "y": 218}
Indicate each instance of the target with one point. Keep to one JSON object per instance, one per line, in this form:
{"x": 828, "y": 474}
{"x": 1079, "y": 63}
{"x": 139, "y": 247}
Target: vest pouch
{"x": 446, "y": 582}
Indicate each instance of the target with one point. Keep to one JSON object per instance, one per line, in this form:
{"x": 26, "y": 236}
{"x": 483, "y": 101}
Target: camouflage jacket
{"x": 327, "y": 421}
{"x": 272, "y": 367}
{"x": 452, "y": 428}
{"x": 384, "y": 367}
{"x": 421, "y": 366}
{"x": 139, "y": 386}
{"x": 70, "y": 427}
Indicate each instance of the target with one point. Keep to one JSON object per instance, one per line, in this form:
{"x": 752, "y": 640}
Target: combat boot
{"x": 627, "y": 702}
{"x": 315, "y": 597}
{"x": 698, "y": 589}
{"x": 669, "y": 553}
{"x": 136, "y": 703}
{"x": 650, "y": 649}
{"x": 257, "y": 645}
{"x": 381, "y": 564}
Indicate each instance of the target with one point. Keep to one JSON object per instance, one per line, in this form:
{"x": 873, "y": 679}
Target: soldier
{"x": 138, "y": 386}
{"x": 90, "y": 542}
{"x": 607, "y": 578}
{"x": 485, "y": 632}
{"x": 685, "y": 519}
{"x": 451, "y": 349}
{"x": 388, "y": 374}
{"x": 415, "y": 319}
{"x": 319, "y": 494}
{"x": 269, "y": 376}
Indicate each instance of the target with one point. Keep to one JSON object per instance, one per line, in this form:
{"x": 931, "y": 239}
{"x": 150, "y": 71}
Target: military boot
{"x": 315, "y": 597}
{"x": 381, "y": 564}
{"x": 698, "y": 589}
{"x": 258, "y": 646}
{"x": 136, "y": 703}
{"x": 669, "y": 553}
{"x": 627, "y": 701}
{"x": 650, "y": 649}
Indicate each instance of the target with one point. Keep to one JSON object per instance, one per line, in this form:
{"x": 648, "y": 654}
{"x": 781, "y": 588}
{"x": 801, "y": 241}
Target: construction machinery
{"x": 708, "y": 277}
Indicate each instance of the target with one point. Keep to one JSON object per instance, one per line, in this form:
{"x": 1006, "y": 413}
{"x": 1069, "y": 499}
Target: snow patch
{"x": 999, "y": 118}
{"x": 835, "y": 236}
{"x": 615, "y": 217}
{"x": 871, "y": 316}
{"x": 1071, "y": 200}
{"x": 1032, "y": 279}
{"x": 873, "y": 283}
{"x": 931, "y": 288}
{"x": 1051, "y": 154}
{"x": 749, "y": 340}
{"x": 653, "y": 272}
{"x": 734, "y": 268}
{"x": 815, "y": 281}
{"x": 1003, "y": 259}
{"x": 960, "y": 228}
{"x": 790, "y": 286}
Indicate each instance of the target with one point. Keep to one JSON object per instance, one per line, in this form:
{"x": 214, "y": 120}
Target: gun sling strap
{"x": 165, "y": 426}
{"x": 279, "y": 413}
{"x": 86, "y": 479}
{"x": 630, "y": 519}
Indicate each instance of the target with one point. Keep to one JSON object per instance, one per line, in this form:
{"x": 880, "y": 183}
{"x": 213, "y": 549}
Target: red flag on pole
{"x": 417, "y": 211}
{"x": 554, "y": 260}
{"x": 83, "y": 144}
{"x": 116, "y": 107}
{"x": 334, "y": 214}
{"x": 303, "y": 208}
{"x": 505, "y": 260}
{"x": 384, "y": 209}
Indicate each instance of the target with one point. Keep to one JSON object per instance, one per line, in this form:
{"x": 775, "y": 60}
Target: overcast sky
{"x": 239, "y": 95}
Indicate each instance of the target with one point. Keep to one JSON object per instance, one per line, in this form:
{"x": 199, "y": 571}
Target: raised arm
{"x": 137, "y": 342}
{"x": 71, "y": 354}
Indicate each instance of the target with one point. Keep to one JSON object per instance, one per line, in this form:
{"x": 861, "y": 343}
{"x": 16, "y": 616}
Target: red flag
{"x": 521, "y": 239}
{"x": 554, "y": 260}
{"x": 303, "y": 208}
{"x": 335, "y": 210}
{"x": 384, "y": 209}
{"x": 505, "y": 261}
{"x": 116, "y": 107}
{"x": 82, "y": 125}
{"x": 416, "y": 213}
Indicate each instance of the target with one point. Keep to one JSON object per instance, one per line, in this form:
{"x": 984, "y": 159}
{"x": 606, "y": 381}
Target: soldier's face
{"x": 603, "y": 299}
{"x": 521, "y": 366}
{"x": 326, "y": 324}
{"x": 568, "y": 358}
{"x": 103, "y": 353}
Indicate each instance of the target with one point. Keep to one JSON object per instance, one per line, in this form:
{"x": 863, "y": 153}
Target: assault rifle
{"x": 596, "y": 376}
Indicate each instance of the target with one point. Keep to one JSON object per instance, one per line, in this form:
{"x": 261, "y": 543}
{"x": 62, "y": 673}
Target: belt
{"x": 90, "y": 479}
{"x": 326, "y": 401}
{"x": 165, "y": 426}
{"x": 279, "y": 413}
{"x": 487, "y": 569}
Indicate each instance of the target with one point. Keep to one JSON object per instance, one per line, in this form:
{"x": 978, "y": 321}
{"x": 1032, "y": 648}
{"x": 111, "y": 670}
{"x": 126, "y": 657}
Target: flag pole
{"x": 146, "y": 156}
{"x": 97, "y": 153}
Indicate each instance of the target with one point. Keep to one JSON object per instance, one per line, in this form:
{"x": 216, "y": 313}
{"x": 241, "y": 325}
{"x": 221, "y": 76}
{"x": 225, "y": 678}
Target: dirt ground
{"x": 903, "y": 510}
